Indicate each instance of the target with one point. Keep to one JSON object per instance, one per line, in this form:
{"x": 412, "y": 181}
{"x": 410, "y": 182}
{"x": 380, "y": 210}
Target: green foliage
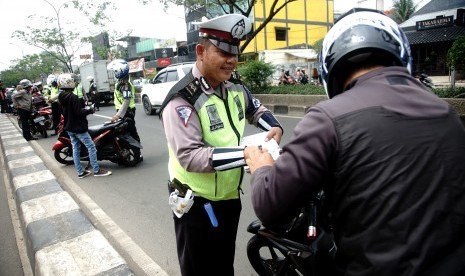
{"x": 456, "y": 54}
{"x": 457, "y": 92}
{"x": 403, "y": 9}
{"x": 256, "y": 74}
{"x": 318, "y": 45}
{"x": 33, "y": 67}
{"x": 310, "y": 89}
{"x": 299, "y": 89}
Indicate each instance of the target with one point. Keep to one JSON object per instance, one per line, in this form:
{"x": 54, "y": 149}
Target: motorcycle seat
{"x": 98, "y": 129}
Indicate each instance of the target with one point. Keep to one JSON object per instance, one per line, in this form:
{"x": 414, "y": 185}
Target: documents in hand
{"x": 259, "y": 139}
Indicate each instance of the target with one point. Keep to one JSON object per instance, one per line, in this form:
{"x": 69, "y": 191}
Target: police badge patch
{"x": 184, "y": 113}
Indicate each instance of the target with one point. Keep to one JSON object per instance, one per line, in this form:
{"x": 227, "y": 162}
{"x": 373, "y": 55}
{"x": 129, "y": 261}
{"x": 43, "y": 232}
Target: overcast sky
{"x": 145, "y": 21}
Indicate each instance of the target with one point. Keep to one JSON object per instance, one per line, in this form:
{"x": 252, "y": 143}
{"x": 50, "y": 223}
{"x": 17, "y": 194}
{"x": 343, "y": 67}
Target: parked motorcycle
{"x": 37, "y": 124}
{"x": 305, "y": 246}
{"x": 112, "y": 141}
{"x": 46, "y": 111}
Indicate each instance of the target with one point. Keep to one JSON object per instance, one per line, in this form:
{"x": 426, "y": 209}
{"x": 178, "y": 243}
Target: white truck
{"x": 104, "y": 79}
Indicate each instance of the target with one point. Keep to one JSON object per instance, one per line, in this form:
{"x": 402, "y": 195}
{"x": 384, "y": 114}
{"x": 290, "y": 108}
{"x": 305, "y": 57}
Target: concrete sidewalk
{"x": 444, "y": 81}
{"x": 61, "y": 236}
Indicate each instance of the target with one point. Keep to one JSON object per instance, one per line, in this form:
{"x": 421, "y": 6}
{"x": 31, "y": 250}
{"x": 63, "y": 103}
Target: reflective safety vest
{"x": 118, "y": 95}
{"x": 54, "y": 92}
{"x": 78, "y": 91}
{"x": 221, "y": 127}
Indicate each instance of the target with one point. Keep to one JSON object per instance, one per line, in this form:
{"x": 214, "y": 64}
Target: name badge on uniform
{"x": 240, "y": 110}
{"x": 215, "y": 120}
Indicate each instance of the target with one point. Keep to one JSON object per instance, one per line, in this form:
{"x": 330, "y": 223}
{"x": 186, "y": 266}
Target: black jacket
{"x": 75, "y": 116}
{"x": 391, "y": 157}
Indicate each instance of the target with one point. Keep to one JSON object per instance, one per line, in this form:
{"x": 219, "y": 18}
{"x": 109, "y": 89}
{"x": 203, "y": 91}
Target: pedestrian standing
{"x": 22, "y": 99}
{"x": 76, "y": 124}
{"x": 3, "y": 98}
{"x": 204, "y": 117}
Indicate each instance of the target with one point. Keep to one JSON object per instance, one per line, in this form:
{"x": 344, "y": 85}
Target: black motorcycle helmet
{"x": 359, "y": 39}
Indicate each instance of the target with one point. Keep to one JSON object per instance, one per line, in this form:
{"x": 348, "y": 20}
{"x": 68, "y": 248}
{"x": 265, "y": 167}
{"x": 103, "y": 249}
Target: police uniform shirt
{"x": 185, "y": 137}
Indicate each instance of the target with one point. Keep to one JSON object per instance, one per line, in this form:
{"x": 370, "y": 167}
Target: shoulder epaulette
{"x": 188, "y": 88}
{"x": 235, "y": 78}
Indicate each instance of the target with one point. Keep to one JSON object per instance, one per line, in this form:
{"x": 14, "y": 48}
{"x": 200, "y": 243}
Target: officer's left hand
{"x": 114, "y": 118}
{"x": 276, "y": 133}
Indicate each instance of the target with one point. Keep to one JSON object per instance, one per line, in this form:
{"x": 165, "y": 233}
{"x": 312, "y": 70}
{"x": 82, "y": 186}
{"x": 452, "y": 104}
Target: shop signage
{"x": 438, "y": 22}
{"x": 163, "y": 62}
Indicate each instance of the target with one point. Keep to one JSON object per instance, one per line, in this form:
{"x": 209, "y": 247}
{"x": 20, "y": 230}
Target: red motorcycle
{"x": 112, "y": 141}
{"x": 46, "y": 112}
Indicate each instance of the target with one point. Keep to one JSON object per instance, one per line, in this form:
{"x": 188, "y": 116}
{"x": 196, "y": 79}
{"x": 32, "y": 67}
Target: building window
{"x": 281, "y": 33}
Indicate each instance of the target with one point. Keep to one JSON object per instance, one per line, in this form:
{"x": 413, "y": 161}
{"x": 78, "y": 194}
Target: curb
{"x": 287, "y": 104}
{"x": 61, "y": 237}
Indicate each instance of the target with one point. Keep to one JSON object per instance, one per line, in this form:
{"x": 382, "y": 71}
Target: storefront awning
{"x": 435, "y": 35}
{"x": 310, "y": 54}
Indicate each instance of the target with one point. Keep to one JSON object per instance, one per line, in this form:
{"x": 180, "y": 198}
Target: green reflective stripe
{"x": 78, "y": 91}
{"x": 118, "y": 101}
{"x": 200, "y": 101}
{"x": 53, "y": 91}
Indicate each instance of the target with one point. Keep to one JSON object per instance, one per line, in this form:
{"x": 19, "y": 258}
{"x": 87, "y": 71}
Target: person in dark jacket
{"x": 388, "y": 153}
{"x": 75, "y": 123}
{"x": 22, "y": 100}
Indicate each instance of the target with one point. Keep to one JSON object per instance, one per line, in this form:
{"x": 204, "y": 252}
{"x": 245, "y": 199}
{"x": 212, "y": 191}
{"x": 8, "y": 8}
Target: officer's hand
{"x": 276, "y": 133}
{"x": 256, "y": 157}
{"x": 114, "y": 118}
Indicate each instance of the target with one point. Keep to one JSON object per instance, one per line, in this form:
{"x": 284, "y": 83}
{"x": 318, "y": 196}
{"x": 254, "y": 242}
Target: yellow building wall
{"x": 306, "y": 21}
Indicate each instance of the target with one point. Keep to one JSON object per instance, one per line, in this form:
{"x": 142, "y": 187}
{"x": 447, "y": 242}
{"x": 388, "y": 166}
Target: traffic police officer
{"x": 204, "y": 117}
{"x": 78, "y": 90}
{"x": 124, "y": 96}
{"x": 53, "y": 99}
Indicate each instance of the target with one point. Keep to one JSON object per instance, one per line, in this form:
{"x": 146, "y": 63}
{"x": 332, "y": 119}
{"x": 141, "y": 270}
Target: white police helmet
{"x": 51, "y": 79}
{"x": 226, "y": 31}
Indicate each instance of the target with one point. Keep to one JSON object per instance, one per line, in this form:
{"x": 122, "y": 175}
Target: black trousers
{"x": 56, "y": 115}
{"x": 25, "y": 117}
{"x": 3, "y": 105}
{"x": 131, "y": 113}
{"x": 202, "y": 248}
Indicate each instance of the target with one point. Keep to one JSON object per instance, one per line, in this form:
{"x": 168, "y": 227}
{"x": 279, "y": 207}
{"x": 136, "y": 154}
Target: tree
{"x": 456, "y": 54}
{"x": 58, "y": 41}
{"x": 403, "y": 9}
{"x": 33, "y": 67}
{"x": 256, "y": 73}
{"x": 243, "y": 7}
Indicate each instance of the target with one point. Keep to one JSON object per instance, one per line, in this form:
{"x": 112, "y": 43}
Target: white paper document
{"x": 259, "y": 139}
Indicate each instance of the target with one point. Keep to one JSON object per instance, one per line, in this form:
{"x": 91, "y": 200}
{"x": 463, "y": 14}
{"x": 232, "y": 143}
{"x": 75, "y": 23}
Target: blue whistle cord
{"x": 208, "y": 207}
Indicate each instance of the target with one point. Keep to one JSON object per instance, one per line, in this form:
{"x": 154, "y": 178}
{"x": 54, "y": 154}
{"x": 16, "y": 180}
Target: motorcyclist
{"x": 388, "y": 153}
{"x": 76, "y": 124}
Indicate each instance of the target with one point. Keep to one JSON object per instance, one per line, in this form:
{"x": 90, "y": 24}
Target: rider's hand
{"x": 256, "y": 157}
{"x": 275, "y": 133}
